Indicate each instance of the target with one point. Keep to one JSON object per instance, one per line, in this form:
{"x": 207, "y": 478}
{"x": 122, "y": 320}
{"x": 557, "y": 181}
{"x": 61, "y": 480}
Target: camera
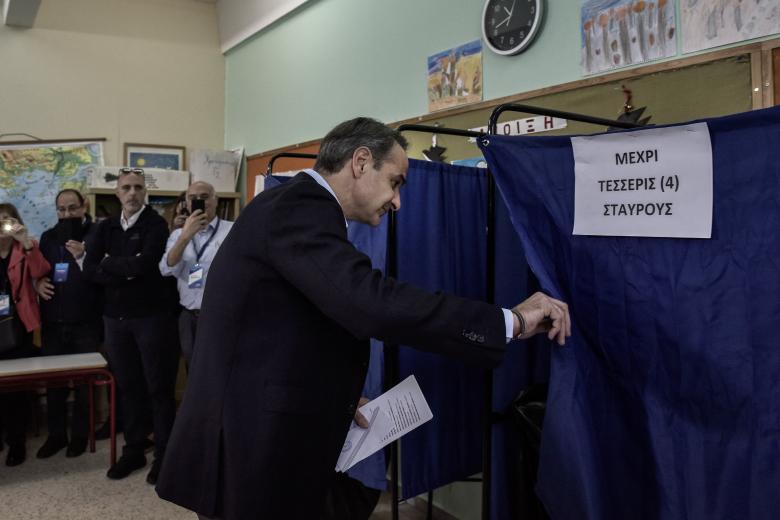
{"x": 198, "y": 204}
{"x": 6, "y": 225}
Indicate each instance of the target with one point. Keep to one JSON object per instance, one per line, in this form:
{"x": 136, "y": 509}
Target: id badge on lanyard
{"x": 195, "y": 279}
{"x": 5, "y": 304}
{"x": 61, "y": 272}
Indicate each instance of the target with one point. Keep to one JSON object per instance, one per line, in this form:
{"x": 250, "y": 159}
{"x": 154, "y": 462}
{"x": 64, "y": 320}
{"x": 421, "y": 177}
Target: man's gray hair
{"x": 338, "y": 146}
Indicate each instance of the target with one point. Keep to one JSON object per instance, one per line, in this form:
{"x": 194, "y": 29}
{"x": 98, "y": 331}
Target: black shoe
{"x": 77, "y": 446}
{"x": 53, "y": 444}
{"x": 126, "y": 465}
{"x": 151, "y": 478}
{"x": 17, "y": 453}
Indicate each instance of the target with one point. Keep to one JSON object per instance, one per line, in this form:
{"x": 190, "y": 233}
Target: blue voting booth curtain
{"x": 665, "y": 403}
{"x": 525, "y": 363}
{"x": 373, "y": 242}
{"x": 441, "y": 246}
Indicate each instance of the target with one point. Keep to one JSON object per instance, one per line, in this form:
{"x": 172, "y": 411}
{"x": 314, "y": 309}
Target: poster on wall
{"x": 455, "y": 76}
{"x": 220, "y": 168}
{"x": 31, "y": 175}
{"x": 714, "y": 23}
{"x": 619, "y": 33}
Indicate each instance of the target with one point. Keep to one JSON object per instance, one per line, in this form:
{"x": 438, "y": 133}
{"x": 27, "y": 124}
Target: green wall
{"x": 334, "y": 59}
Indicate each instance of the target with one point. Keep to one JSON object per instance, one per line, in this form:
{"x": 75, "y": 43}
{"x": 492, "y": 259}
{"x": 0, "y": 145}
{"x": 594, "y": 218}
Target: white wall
{"x": 146, "y": 71}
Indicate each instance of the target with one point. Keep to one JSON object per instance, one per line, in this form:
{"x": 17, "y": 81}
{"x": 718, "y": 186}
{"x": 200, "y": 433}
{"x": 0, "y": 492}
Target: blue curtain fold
{"x": 664, "y": 404}
{"x": 441, "y": 244}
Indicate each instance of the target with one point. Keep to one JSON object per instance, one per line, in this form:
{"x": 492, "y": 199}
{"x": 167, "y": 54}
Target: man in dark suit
{"x": 283, "y": 336}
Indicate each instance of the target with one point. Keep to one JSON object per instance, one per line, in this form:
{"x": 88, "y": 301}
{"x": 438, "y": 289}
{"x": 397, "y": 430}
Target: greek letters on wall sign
{"x": 649, "y": 183}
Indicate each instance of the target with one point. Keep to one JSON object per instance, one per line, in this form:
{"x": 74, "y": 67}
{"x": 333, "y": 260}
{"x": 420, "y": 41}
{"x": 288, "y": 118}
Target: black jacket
{"x": 131, "y": 280}
{"x": 76, "y": 300}
{"x": 281, "y": 356}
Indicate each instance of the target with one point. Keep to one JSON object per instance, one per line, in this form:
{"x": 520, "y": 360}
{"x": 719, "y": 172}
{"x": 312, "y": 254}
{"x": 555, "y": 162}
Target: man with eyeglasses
{"x": 71, "y": 317}
{"x": 123, "y": 257}
{"x": 189, "y": 254}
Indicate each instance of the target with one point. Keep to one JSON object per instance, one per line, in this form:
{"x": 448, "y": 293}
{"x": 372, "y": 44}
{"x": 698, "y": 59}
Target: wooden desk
{"x": 47, "y": 371}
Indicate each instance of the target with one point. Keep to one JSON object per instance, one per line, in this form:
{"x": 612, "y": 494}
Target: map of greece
{"x": 32, "y": 175}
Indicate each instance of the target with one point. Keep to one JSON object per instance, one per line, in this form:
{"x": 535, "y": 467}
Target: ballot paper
{"x": 391, "y": 416}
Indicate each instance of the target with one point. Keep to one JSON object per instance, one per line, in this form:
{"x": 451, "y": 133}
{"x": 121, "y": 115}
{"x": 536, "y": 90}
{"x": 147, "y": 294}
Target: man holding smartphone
{"x": 189, "y": 254}
{"x": 71, "y": 312}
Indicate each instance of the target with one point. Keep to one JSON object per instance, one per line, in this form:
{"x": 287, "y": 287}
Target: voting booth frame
{"x": 391, "y": 351}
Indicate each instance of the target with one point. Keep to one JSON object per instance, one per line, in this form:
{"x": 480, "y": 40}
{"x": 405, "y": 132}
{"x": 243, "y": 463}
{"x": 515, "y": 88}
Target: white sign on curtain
{"x": 648, "y": 183}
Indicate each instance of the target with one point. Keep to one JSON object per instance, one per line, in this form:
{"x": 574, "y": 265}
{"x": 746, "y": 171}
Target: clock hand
{"x": 504, "y": 21}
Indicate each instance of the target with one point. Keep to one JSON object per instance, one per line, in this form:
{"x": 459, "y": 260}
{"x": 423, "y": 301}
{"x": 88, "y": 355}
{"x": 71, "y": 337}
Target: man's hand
{"x": 75, "y": 248}
{"x": 194, "y": 223}
{"x": 44, "y": 288}
{"x": 542, "y": 313}
{"x": 360, "y": 419}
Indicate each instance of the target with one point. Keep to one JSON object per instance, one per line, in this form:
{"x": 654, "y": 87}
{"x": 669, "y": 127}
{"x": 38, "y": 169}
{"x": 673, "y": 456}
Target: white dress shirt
{"x": 191, "y": 298}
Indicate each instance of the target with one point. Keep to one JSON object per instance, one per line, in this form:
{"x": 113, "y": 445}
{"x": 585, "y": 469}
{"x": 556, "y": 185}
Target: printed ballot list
{"x": 391, "y": 416}
{"x": 650, "y": 183}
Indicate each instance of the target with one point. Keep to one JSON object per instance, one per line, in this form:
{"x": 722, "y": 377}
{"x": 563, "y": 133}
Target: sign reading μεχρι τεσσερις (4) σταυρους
{"x": 654, "y": 182}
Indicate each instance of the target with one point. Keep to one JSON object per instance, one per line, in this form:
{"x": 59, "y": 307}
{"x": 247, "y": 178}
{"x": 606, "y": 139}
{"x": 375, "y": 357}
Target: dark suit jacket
{"x": 281, "y": 357}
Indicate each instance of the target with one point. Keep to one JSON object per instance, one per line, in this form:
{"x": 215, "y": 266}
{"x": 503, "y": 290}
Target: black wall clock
{"x": 510, "y": 26}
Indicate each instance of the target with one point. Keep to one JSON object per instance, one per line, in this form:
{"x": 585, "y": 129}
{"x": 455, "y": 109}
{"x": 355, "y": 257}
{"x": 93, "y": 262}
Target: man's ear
{"x": 360, "y": 160}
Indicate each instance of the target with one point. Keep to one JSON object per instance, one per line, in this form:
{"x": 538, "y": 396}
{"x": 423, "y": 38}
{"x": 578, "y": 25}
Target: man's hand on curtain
{"x": 542, "y": 313}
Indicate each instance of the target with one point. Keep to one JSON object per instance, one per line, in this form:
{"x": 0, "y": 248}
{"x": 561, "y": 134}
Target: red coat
{"x": 23, "y": 268}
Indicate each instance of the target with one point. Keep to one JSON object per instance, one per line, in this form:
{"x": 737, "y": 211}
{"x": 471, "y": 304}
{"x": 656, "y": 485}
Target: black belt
{"x": 194, "y": 312}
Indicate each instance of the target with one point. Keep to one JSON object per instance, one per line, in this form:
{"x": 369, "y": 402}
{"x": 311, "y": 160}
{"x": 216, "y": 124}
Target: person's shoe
{"x": 17, "y": 453}
{"x": 53, "y": 444}
{"x": 77, "y": 446}
{"x": 151, "y": 478}
{"x": 126, "y": 465}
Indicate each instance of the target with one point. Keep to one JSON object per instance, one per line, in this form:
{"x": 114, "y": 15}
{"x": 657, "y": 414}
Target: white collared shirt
{"x": 192, "y": 298}
{"x": 130, "y": 222}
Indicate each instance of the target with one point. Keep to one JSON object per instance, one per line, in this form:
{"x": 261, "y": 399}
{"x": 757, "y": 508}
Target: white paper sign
{"x": 528, "y": 125}
{"x": 652, "y": 183}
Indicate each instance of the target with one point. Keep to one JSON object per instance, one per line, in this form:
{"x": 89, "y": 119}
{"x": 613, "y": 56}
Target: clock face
{"x": 509, "y": 26}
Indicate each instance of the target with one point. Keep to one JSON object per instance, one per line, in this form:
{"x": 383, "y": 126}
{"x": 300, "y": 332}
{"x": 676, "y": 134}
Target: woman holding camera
{"x": 20, "y": 263}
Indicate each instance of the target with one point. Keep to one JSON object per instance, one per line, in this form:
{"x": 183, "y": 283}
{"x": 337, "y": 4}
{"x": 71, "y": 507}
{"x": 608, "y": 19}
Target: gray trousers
{"x": 188, "y": 325}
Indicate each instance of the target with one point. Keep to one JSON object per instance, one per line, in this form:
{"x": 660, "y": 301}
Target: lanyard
{"x": 199, "y": 252}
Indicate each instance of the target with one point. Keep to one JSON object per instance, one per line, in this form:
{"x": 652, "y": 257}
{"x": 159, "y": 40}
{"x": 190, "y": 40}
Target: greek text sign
{"x": 652, "y": 183}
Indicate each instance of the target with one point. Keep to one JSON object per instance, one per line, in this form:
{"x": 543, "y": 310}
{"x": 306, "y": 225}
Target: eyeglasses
{"x": 128, "y": 171}
{"x": 68, "y": 209}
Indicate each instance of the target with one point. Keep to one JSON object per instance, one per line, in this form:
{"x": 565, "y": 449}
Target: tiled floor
{"x": 60, "y": 488}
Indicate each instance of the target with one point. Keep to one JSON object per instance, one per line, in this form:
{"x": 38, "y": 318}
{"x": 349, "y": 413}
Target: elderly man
{"x": 189, "y": 254}
{"x": 71, "y": 315}
{"x": 283, "y": 338}
{"x": 123, "y": 256}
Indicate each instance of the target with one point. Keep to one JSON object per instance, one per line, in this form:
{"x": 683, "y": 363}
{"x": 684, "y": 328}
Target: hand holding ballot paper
{"x": 390, "y": 416}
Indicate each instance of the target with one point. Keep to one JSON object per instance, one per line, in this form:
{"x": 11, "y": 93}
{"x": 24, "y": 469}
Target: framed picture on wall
{"x": 155, "y": 156}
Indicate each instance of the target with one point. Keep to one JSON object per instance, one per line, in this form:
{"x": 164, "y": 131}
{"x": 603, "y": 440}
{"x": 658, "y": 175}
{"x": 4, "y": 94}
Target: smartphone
{"x": 198, "y": 204}
{"x": 69, "y": 229}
